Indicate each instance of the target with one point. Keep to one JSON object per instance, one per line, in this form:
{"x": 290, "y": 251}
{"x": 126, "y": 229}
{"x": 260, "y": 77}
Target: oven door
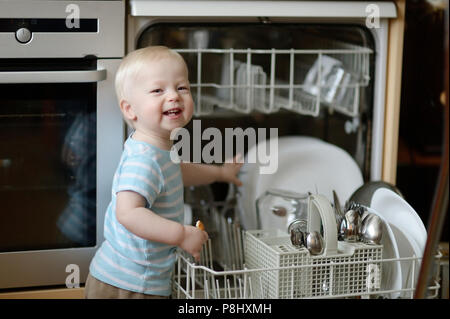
{"x": 60, "y": 126}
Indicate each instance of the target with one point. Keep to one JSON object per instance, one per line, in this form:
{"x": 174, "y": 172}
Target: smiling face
{"x": 159, "y": 98}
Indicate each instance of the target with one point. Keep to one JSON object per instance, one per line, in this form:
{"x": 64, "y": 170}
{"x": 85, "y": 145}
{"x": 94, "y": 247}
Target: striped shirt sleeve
{"x": 142, "y": 175}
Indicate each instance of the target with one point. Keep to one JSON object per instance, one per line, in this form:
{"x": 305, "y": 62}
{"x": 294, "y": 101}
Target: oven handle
{"x": 53, "y": 76}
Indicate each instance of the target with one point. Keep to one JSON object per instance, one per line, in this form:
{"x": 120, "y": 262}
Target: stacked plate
{"x": 404, "y": 236}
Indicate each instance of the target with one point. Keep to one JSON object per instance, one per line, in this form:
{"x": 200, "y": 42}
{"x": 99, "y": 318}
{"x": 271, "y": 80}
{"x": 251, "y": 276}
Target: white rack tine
{"x": 210, "y": 254}
{"x": 292, "y": 283}
{"x": 199, "y": 80}
{"x": 193, "y": 281}
{"x": 241, "y": 253}
{"x": 249, "y": 77}
{"x": 413, "y": 276}
{"x": 263, "y": 295}
{"x": 272, "y": 79}
{"x": 235, "y": 285}
{"x": 225, "y": 287}
{"x": 204, "y": 254}
{"x": 356, "y": 60}
{"x": 231, "y": 243}
{"x": 205, "y": 281}
{"x": 291, "y": 79}
{"x": 319, "y": 80}
{"x": 235, "y": 243}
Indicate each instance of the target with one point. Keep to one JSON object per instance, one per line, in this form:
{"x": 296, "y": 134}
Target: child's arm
{"x": 132, "y": 214}
{"x": 202, "y": 174}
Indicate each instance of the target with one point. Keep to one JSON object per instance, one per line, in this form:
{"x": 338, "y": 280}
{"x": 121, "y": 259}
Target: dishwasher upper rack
{"x": 202, "y": 281}
{"x": 333, "y": 79}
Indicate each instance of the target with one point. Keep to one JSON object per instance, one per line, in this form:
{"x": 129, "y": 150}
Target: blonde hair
{"x": 133, "y": 63}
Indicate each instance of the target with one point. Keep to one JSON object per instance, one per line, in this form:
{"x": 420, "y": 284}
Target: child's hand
{"x": 229, "y": 171}
{"x": 193, "y": 240}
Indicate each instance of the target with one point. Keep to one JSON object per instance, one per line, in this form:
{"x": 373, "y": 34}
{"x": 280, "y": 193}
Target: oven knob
{"x": 23, "y": 35}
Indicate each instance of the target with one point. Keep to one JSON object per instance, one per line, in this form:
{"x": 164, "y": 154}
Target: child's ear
{"x": 127, "y": 110}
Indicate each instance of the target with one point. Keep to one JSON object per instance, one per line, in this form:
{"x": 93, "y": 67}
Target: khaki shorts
{"x": 96, "y": 289}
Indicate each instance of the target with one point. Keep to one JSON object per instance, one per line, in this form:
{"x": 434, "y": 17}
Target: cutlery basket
{"x": 342, "y": 269}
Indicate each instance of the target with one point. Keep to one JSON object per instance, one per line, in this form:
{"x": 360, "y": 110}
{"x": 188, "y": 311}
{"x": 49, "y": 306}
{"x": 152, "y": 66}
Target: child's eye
{"x": 156, "y": 91}
{"x": 183, "y": 88}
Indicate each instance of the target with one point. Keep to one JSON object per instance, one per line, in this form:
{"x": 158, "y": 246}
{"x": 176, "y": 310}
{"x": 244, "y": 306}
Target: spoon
{"x": 371, "y": 229}
{"x": 297, "y": 237}
{"x": 337, "y": 210}
{"x": 297, "y": 231}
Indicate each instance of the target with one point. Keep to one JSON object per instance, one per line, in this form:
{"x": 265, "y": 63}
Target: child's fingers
{"x": 196, "y": 257}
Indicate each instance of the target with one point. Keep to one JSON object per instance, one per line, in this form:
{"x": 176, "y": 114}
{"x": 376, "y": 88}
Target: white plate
{"x": 305, "y": 165}
{"x": 391, "y": 273}
{"x": 407, "y": 247}
{"x": 400, "y": 214}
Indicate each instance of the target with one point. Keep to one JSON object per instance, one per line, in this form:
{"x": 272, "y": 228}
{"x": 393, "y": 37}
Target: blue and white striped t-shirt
{"x": 125, "y": 260}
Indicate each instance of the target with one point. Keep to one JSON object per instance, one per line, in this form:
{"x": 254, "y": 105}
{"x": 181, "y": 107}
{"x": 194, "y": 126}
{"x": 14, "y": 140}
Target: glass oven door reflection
{"x": 47, "y": 166}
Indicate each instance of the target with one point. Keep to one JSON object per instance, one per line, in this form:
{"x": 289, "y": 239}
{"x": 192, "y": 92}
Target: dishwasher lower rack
{"x": 204, "y": 280}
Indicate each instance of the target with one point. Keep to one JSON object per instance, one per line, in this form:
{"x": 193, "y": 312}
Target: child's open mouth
{"x": 173, "y": 113}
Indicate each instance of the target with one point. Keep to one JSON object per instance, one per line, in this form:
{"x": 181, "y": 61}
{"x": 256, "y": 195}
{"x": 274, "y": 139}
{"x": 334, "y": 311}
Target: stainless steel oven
{"x": 260, "y": 67}
{"x": 61, "y": 135}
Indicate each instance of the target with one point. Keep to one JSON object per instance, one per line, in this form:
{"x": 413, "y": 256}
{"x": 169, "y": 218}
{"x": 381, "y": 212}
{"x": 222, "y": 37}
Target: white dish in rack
{"x": 408, "y": 228}
{"x": 391, "y": 271}
{"x": 250, "y": 173}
